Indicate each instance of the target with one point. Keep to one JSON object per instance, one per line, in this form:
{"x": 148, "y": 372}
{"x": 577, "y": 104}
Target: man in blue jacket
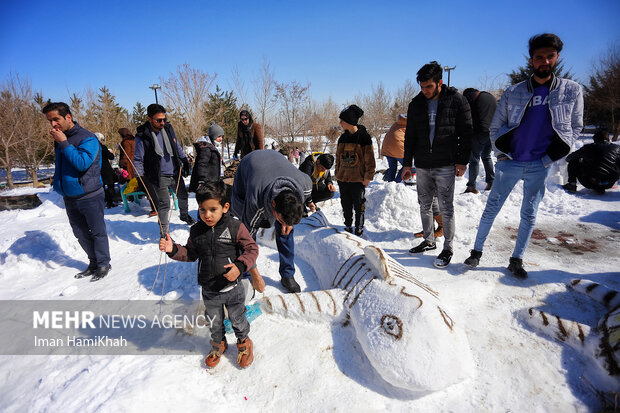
{"x": 268, "y": 190}
{"x": 77, "y": 178}
{"x": 535, "y": 124}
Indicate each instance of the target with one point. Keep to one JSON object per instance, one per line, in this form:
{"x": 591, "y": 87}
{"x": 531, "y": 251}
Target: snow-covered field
{"x": 308, "y": 366}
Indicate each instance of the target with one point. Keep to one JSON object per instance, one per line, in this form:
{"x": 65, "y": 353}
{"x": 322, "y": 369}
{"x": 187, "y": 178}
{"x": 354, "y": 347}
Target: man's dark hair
{"x": 289, "y": 206}
{"x": 153, "y": 109}
{"x": 211, "y": 190}
{"x": 326, "y": 160}
{"x": 61, "y": 107}
{"x": 545, "y": 40}
{"x": 430, "y": 71}
{"x": 601, "y": 135}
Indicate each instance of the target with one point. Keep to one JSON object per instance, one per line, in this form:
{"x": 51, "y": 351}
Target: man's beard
{"x": 543, "y": 73}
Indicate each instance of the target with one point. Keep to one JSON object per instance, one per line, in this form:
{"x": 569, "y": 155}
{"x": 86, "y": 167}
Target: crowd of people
{"x": 534, "y": 124}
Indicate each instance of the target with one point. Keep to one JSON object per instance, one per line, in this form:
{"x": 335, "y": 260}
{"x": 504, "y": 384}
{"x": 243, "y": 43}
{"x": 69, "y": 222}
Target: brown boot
{"x": 216, "y": 353}
{"x": 439, "y": 230}
{"x": 246, "y": 352}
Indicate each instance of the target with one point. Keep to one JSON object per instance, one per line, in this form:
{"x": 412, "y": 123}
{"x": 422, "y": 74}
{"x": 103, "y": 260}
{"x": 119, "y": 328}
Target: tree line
{"x": 286, "y": 110}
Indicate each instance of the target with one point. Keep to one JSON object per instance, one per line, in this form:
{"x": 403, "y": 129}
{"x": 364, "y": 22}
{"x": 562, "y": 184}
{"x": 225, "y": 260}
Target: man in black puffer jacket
{"x": 438, "y": 140}
{"x": 596, "y": 165}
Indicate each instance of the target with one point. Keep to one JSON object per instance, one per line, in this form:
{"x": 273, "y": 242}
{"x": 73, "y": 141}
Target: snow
{"x": 320, "y": 364}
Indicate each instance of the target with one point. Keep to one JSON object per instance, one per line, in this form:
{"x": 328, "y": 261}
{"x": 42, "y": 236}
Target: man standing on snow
{"x": 77, "y": 177}
{"x": 269, "y": 190}
{"x": 482, "y": 106}
{"x": 159, "y": 159}
{"x": 535, "y": 124}
{"x": 437, "y": 140}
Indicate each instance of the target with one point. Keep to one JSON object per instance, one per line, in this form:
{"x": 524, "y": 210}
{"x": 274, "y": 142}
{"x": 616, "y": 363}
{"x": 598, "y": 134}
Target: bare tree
{"x": 186, "y": 92}
{"x": 238, "y": 85}
{"x": 403, "y": 97}
{"x": 492, "y": 85}
{"x": 602, "y": 98}
{"x": 292, "y": 97}
{"x": 377, "y": 111}
{"x": 264, "y": 89}
{"x": 323, "y": 122}
{"x": 14, "y": 95}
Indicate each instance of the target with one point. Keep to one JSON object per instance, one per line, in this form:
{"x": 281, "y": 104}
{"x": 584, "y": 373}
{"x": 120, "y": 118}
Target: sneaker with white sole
{"x": 443, "y": 259}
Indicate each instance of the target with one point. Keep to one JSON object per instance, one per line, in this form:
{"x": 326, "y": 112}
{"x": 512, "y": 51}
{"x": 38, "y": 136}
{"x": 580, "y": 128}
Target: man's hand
{"x": 406, "y": 173}
{"x": 312, "y": 207}
{"x": 165, "y": 244}
{"x": 257, "y": 280}
{"x": 459, "y": 170}
{"x": 286, "y": 229}
{"x": 331, "y": 187}
{"x": 233, "y": 272}
{"x": 185, "y": 171}
{"x": 58, "y": 135}
{"x": 366, "y": 182}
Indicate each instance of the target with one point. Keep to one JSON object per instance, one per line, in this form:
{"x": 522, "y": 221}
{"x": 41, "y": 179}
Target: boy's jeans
{"x": 391, "y": 175}
{"x": 234, "y": 300}
{"x": 286, "y": 251}
{"x": 507, "y": 174}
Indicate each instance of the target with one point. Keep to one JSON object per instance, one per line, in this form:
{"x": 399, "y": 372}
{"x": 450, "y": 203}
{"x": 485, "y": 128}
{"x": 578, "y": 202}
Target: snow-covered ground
{"x": 308, "y": 366}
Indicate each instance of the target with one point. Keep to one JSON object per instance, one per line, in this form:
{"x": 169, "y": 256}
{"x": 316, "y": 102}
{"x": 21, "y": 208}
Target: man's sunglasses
{"x": 160, "y": 120}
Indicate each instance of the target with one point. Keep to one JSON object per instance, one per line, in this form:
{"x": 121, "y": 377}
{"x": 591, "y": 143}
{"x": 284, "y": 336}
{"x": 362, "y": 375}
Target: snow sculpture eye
{"x": 392, "y": 325}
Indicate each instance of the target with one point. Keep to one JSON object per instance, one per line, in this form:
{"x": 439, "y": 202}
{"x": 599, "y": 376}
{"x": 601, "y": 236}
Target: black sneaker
{"x": 474, "y": 258}
{"x": 359, "y": 231}
{"x": 443, "y": 259}
{"x": 349, "y": 229}
{"x": 86, "y": 273}
{"x": 515, "y": 266}
{"x": 570, "y": 187}
{"x": 424, "y": 246}
{"x": 488, "y": 187}
{"x": 101, "y": 272}
{"x": 188, "y": 220}
{"x": 291, "y": 285}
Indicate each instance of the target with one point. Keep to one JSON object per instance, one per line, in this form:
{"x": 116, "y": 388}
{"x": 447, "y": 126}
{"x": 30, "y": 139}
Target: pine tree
{"x": 221, "y": 107}
{"x": 109, "y": 115}
{"x": 138, "y": 115}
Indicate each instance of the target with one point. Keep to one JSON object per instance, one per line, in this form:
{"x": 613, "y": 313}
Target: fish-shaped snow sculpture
{"x": 602, "y": 343}
{"x": 404, "y": 330}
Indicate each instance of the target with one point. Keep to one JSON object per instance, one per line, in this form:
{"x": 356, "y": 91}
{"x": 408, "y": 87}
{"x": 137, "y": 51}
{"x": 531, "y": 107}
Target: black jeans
{"x": 320, "y": 196}
{"x": 234, "y": 300}
{"x": 352, "y": 198}
{"x": 86, "y": 219}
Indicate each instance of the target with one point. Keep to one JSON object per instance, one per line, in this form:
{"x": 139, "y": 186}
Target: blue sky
{"x": 341, "y": 47}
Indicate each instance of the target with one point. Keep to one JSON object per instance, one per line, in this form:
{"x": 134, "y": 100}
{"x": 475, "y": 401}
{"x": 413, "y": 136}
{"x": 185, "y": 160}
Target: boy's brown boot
{"x": 216, "y": 352}
{"x": 439, "y": 230}
{"x": 246, "y": 352}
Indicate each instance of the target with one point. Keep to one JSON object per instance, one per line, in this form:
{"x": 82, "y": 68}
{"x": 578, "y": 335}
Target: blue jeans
{"x": 391, "y": 175}
{"x": 437, "y": 184}
{"x": 508, "y": 173}
{"x": 86, "y": 219}
{"x": 480, "y": 149}
{"x": 286, "y": 251}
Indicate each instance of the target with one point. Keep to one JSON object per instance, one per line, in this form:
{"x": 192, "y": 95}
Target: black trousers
{"x": 320, "y": 196}
{"x": 352, "y": 198}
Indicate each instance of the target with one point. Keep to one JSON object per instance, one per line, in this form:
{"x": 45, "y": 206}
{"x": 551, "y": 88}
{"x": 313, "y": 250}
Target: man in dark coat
{"x": 249, "y": 135}
{"x": 268, "y": 190}
{"x": 596, "y": 165}
{"x": 483, "y": 105}
{"x": 107, "y": 173}
{"x": 77, "y": 177}
{"x": 159, "y": 159}
{"x": 438, "y": 140}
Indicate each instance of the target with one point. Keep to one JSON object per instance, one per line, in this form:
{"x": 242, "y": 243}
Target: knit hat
{"x": 124, "y": 132}
{"x": 215, "y": 130}
{"x": 202, "y": 139}
{"x": 100, "y": 136}
{"x": 351, "y": 114}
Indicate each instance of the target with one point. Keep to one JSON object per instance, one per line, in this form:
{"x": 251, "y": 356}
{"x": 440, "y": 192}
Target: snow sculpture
{"x": 603, "y": 342}
{"x": 403, "y": 328}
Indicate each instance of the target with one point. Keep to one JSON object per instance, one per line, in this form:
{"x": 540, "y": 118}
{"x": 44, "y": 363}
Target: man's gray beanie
{"x": 215, "y": 130}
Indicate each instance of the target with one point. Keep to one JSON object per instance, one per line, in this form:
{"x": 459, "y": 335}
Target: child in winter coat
{"x": 355, "y": 167}
{"x": 224, "y": 250}
{"x": 208, "y": 162}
